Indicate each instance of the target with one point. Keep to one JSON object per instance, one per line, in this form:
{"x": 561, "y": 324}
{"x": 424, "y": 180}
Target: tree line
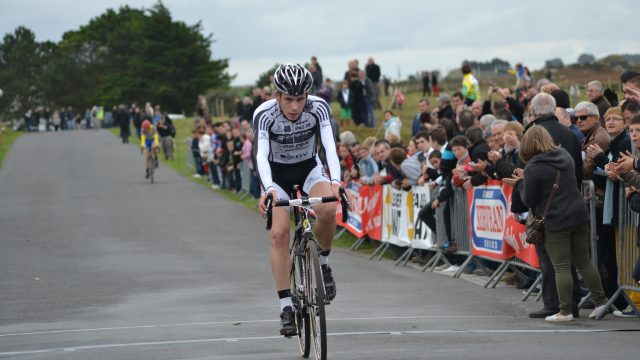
{"x": 123, "y": 56}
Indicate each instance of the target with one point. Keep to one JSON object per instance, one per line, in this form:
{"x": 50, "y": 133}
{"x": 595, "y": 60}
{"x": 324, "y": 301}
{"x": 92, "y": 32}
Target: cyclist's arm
{"x": 142, "y": 140}
{"x": 262, "y": 157}
{"x": 326, "y": 135}
{"x": 156, "y": 142}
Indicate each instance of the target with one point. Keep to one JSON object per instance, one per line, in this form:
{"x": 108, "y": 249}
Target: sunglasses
{"x": 583, "y": 117}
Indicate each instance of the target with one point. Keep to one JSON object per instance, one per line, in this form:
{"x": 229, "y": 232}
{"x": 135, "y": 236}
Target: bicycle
{"x": 153, "y": 164}
{"x": 307, "y": 285}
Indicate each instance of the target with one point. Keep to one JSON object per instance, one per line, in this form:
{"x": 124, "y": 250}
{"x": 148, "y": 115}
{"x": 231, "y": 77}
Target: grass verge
{"x": 7, "y": 138}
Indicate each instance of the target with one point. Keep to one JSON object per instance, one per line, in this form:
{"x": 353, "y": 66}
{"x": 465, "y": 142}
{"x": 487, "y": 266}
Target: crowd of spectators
{"x": 463, "y": 140}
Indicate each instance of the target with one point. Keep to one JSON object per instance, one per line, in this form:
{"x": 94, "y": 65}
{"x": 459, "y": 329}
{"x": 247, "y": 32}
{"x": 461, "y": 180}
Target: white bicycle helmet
{"x": 292, "y": 79}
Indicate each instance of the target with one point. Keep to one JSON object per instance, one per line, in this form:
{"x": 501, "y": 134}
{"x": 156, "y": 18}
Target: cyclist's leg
{"x": 146, "y": 158}
{"x": 316, "y": 185}
{"x": 279, "y": 251}
{"x": 325, "y": 228}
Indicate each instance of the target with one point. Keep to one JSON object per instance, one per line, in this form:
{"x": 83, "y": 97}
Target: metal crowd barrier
{"x": 440, "y": 236}
{"x": 627, "y": 253}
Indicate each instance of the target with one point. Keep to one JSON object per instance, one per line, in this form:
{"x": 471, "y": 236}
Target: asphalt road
{"x": 96, "y": 263}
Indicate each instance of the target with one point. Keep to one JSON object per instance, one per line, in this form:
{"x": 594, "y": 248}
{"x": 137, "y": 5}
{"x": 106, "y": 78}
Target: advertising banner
{"x": 423, "y": 237}
{"x": 397, "y": 210}
{"x": 488, "y": 210}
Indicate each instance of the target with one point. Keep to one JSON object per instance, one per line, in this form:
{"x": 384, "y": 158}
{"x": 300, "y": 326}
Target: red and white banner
{"x": 494, "y": 231}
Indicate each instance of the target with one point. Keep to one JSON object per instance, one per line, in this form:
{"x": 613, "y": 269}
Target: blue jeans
{"x": 370, "y": 120}
{"x": 71, "y": 125}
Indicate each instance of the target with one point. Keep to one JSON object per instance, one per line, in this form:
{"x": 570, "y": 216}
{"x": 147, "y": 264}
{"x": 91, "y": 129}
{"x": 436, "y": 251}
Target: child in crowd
{"x": 346, "y": 162}
{"x": 459, "y": 147}
{"x": 366, "y": 164}
{"x": 399, "y": 98}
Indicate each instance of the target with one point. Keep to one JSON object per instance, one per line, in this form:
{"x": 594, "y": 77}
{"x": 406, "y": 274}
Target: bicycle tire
{"x": 315, "y": 296}
{"x": 300, "y": 304}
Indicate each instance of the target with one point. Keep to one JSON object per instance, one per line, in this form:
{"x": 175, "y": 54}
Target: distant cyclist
{"x": 288, "y": 130}
{"x": 149, "y": 144}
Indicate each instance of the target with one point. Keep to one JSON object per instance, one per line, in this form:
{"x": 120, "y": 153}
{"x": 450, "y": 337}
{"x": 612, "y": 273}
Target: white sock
{"x": 284, "y": 302}
{"x": 324, "y": 260}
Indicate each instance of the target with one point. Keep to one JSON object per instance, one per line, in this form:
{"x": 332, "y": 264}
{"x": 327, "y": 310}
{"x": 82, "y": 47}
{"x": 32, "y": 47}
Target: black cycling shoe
{"x": 329, "y": 283}
{"x": 146, "y": 175}
{"x": 288, "y": 322}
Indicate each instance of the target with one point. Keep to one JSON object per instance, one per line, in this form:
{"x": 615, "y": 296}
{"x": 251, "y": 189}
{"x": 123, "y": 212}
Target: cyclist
{"x": 288, "y": 130}
{"x": 149, "y": 144}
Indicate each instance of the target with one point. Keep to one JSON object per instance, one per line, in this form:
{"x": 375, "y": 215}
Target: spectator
{"x": 347, "y": 163}
{"x": 507, "y": 159}
{"x": 167, "y": 132}
{"x": 574, "y": 92}
{"x": 326, "y": 91}
{"x": 566, "y": 224}
{"x": 423, "y": 107}
{"x": 347, "y": 138}
{"x": 55, "y": 119}
{"x": 195, "y": 153}
{"x": 476, "y": 109}
{"x": 398, "y": 95}
{"x": 345, "y": 99}
{"x": 478, "y": 151}
{"x": 444, "y": 107}
{"x": 563, "y": 114}
{"x": 388, "y": 172}
{"x": 588, "y": 121}
{"x": 318, "y": 76}
{"x": 396, "y": 157}
{"x": 486, "y": 121}
{"x": 470, "y": 87}
{"x": 630, "y": 108}
{"x": 359, "y": 106}
{"x": 392, "y": 125}
{"x": 412, "y": 149}
{"x": 542, "y": 112}
{"x": 466, "y": 120}
{"x": 426, "y": 88}
{"x": 373, "y": 73}
{"x": 206, "y": 151}
{"x": 459, "y": 146}
{"x": 366, "y": 163}
{"x": 122, "y": 119}
{"x": 606, "y": 180}
{"x": 136, "y": 118}
{"x": 434, "y": 84}
{"x": 595, "y": 93}
{"x": 457, "y": 102}
{"x": 631, "y": 85}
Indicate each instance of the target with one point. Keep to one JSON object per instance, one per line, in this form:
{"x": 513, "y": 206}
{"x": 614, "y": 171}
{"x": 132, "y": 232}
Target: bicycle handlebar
{"x": 269, "y": 204}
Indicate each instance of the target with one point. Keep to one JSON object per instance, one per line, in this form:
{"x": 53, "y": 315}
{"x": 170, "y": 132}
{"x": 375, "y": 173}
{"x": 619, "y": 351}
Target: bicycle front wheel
{"x": 315, "y": 296}
{"x": 298, "y": 281}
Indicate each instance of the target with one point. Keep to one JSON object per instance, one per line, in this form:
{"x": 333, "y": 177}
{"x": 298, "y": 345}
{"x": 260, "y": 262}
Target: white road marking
{"x": 256, "y": 338}
{"x": 238, "y": 322}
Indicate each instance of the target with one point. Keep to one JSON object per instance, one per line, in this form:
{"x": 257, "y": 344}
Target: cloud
{"x": 404, "y": 34}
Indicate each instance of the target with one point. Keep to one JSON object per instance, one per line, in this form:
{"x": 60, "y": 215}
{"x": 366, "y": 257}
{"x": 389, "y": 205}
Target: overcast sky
{"x": 403, "y": 36}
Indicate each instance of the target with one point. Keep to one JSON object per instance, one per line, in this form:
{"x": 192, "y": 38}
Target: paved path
{"x": 97, "y": 263}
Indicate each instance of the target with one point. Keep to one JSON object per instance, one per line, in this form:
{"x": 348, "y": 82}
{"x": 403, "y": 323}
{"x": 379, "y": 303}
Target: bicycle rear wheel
{"x": 300, "y": 304}
{"x": 315, "y": 297}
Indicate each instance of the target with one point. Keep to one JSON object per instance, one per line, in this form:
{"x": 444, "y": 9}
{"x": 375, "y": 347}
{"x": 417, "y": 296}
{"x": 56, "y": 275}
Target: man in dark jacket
{"x": 444, "y": 106}
{"x": 595, "y": 92}
{"x": 543, "y": 107}
{"x": 122, "y": 119}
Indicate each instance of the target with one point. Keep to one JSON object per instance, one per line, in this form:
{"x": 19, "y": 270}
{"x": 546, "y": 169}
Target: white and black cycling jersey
{"x": 282, "y": 143}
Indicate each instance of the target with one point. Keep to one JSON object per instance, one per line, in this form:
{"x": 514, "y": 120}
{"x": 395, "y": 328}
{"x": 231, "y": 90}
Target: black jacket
{"x": 564, "y": 137}
{"x": 446, "y": 112}
{"x": 478, "y": 152}
{"x": 567, "y": 208}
